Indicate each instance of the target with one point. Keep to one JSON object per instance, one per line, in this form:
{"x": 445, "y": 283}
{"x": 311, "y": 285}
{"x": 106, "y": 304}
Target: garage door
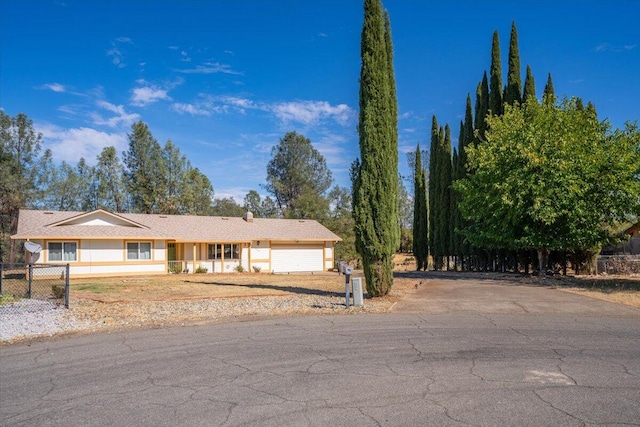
{"x": 297, "y": 258}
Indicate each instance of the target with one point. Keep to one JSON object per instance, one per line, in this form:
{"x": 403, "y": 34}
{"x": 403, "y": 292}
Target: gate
{"x": 42, "y": 282}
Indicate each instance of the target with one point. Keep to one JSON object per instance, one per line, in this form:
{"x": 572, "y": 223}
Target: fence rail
{"x": 43, "y": 282}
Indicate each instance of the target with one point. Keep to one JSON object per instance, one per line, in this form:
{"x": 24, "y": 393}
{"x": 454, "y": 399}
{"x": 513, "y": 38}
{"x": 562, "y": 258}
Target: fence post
{"x": 66, "y": 287}
{"x": 1, "y": 274}
{"x": 30, "y": 278}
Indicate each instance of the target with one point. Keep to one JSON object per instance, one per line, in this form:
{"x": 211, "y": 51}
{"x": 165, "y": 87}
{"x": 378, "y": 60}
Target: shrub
{"x": 58, "y": 291}
{"x": 175, "y": 268}
{"x": 200, "y": 270}
{"x": 257, "y": 268}
{"x": 239, "y": 268}
{"x": 7, "y": 298}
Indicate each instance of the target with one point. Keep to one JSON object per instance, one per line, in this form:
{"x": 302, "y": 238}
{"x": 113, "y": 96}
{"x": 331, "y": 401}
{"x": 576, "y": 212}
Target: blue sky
{"x": 225, "y": 80}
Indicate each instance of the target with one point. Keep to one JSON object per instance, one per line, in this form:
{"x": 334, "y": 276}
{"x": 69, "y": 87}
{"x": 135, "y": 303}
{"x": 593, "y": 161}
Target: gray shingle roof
{"x": 35, "y": 224}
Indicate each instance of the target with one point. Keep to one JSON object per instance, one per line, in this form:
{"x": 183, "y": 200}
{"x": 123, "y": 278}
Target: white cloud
{"x": 311, "y": 112}
{"x": 143, "y": 96}
{"x": 211, "y": 68}
{"x": 116, "y": 57}
{"x": 115, "y": 53}
{"x": 121, "y": 117}
{"x": 56, "y": 87}
{"x": 72, "y": 144}
{"x": 606, "y": 47}
{"x": 190, "y": 109}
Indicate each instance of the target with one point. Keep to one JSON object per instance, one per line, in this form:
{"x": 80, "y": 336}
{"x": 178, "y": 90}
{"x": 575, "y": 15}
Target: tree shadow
{"x": 288, "y": 289}
{"x": 604, "y": 284}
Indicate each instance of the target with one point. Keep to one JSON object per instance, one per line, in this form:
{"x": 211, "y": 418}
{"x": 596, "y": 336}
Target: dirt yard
{"x": 135, "y": 301}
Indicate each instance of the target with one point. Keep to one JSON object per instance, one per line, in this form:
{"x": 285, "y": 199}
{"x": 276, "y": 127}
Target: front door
{"x": 171, "y": 252}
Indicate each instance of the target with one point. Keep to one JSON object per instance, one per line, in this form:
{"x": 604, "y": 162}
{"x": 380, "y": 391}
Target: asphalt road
{"x": 462, "y": 352}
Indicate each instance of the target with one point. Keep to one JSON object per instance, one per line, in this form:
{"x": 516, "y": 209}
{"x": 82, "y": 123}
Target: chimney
{"x": 248, "y": 217}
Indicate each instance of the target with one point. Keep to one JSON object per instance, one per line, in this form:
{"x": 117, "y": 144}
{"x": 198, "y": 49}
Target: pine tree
{"x": 514, "y": 85}
{"x": 420, "y": 218}
{"x": 549, "y": 94}
{"x": 529, "y": 86}
{"x": 495, "y": 84}
{"x": 376, "y": 182}
{"x": 142, "y": 163}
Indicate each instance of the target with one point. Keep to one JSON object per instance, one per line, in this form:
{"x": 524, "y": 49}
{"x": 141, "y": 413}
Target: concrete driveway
{"x": 464, "y": 352}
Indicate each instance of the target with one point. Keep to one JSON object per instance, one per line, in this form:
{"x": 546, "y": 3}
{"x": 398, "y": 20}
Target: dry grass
{"x": 179, "y": 287}
{"x": 175, "y": 287}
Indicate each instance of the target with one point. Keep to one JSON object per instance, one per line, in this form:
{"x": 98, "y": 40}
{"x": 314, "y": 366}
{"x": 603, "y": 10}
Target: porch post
{"x": 194, "y": 257}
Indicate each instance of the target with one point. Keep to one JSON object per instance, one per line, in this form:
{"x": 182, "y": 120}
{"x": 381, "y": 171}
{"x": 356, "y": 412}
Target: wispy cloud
{"x": 55, "y": 87}
{"x": 148, "y": 93}
{"x": 211, "y": 68}
{"x": 72, "y": 144}
{"x": 311, "y": 112}
{"x": 184, "y": 56}
{"x": 304, "y": 112}
{"x": 190, "y": 109}
{"x": 121, "y": 116}
{"x": 115, "y": 52}
{"x": 143, "y": 96}
{"x": 606, "y": 47}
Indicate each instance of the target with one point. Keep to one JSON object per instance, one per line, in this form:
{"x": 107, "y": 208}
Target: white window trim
{"x": 62, "y": 242}
{"x": 126, "y": 249}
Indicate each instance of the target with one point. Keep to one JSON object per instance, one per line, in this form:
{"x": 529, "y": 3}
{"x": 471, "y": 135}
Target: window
{"x": 138, "y": 250}
{"x": 231, "y": 251}
{"x": 63, "y": 251}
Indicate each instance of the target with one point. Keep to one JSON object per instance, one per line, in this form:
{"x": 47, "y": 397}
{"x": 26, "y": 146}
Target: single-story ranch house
{"x": 103, "y": 243}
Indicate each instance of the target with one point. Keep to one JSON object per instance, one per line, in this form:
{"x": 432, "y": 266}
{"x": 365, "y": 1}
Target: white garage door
{"x": 297, "y": 258}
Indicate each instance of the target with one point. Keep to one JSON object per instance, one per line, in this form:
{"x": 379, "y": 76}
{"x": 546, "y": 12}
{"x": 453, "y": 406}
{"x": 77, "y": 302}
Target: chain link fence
{"x": 37, "y": 285}
{"x": 619, "y": 264}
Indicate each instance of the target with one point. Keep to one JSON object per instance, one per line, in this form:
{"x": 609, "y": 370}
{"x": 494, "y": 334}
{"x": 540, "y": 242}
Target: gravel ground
{"x": 32, "y": 318}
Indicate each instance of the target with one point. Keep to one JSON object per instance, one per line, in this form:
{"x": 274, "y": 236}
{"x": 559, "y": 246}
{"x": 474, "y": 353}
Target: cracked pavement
{"x": 460, "y": 352}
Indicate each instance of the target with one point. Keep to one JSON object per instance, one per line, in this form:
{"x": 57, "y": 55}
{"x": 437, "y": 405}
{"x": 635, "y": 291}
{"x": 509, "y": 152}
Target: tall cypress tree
{"x": 375, "y": 203}
{"x": 495, "y": 84}
{"x": 549, "y": 94}
{"x": 482, "y": 107}
{"x": 513, "y": 90}
{"x": 447, "y": 177}
{"x": 433, "y": 180}
{"x": 420, "y": 218}
{"x": 529, "y": 86}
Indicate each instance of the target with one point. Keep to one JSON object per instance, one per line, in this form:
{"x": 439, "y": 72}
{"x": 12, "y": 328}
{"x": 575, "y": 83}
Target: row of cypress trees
{"x": 442, "y": 239}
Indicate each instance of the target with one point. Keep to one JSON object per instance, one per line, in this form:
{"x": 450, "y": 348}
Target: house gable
{"x": 98, "y": 218}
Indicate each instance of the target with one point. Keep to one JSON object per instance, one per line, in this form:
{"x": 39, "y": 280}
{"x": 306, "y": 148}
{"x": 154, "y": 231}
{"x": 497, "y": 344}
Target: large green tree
{"x": 298, "y": 178}
{"x": 261, "y": 208}
{"x": 420, "y": 214}
{"x": 197, "y": 193}
{"x": 144, "y": 170}
{"x": 20, "y": 146}
{"x": 550, "y": 177}
{"x": 376, "y": 180}
{"x": 111, "y": 192}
